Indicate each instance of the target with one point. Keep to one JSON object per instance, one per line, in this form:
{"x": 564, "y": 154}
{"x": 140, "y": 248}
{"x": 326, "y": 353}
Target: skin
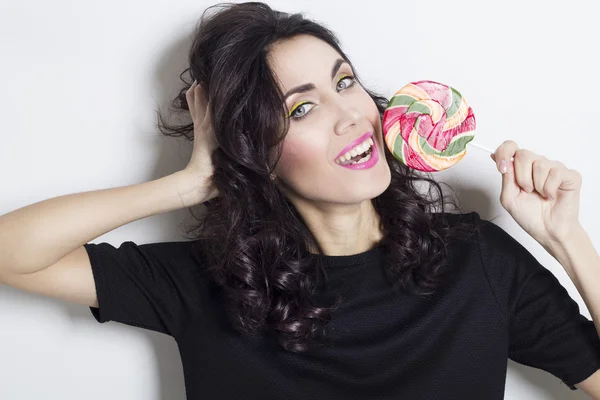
{"x": 334, "y": 201}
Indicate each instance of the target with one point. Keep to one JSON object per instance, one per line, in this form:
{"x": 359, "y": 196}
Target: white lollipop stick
{"x": 485, "y": 149}
{"x": 481, "y": 147}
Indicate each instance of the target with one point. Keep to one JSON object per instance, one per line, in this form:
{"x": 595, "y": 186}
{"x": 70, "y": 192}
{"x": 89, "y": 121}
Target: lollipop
{"x": 427, "y": 126}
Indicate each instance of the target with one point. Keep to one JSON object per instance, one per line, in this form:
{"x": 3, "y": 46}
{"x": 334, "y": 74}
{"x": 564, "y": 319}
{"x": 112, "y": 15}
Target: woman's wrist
{"x": 193, "y": 188}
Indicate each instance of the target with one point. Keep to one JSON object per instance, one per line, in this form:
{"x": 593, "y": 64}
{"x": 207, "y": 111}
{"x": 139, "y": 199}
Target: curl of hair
{"x": 254, "y": 242}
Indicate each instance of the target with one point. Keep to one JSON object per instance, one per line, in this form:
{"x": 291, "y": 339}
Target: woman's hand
{"x": 541, "y": 195}
{"x": 197, "y": 187}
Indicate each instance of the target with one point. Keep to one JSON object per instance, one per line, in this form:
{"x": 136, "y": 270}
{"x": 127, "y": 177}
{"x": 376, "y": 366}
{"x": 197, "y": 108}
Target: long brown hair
{"x": 254, "y": 241}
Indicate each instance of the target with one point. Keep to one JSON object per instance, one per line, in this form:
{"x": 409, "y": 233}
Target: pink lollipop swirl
{"x": 427, "y": 126}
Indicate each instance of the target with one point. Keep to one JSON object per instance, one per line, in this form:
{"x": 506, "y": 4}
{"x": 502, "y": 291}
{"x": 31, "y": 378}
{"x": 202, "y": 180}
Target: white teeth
{"x": 361, "y": 148}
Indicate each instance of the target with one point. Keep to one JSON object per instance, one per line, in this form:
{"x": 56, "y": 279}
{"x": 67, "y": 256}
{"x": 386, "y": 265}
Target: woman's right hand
{"x": 199, "y": 171}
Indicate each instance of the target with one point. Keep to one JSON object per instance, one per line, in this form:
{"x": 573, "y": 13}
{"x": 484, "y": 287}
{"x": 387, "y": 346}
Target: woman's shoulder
{"x": 502, "y": 256}
{"x": 182, "y": 252}
{"x": 454, "y": 218}
{"x": 483, "y": 235}
{"x": 473, "y": 222}
{"x": 468, "y": 218}
{"x": 182, "y": 259}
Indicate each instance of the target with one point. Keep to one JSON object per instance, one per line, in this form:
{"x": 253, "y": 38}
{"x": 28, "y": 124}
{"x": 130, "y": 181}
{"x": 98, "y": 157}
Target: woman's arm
{"x": 582, "y": 263}
{"x": 36, "y": 236}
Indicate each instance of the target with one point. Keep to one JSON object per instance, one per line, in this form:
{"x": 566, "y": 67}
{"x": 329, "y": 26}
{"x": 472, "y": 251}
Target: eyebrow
{"x": 309, "y": 86}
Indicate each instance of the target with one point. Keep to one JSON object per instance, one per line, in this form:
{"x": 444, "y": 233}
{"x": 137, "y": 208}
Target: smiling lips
{"x": 361, "y": 149}
{"x": 361, "y": 140}
{"x": 354, "y": 143}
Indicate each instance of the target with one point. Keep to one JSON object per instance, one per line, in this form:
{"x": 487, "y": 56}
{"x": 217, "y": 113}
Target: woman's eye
{"x": 303, "y": 111}
{"x": 347, "y": 85}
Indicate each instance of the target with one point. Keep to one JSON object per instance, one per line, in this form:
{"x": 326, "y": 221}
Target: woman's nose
{"x": 347, "y": 117}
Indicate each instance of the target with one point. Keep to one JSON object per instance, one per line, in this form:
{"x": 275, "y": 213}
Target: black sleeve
{"x": 546, "y": 328}
{"x": 142, "y": 285}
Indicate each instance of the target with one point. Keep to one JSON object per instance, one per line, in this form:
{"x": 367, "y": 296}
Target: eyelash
{"x": 308, "y": 102}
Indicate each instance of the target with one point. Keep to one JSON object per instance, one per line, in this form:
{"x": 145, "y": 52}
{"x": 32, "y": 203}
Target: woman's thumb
{"x": 510, "y": 187}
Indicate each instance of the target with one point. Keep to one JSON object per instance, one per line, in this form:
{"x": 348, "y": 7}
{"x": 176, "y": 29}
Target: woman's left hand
{"x": 541, "y": 195}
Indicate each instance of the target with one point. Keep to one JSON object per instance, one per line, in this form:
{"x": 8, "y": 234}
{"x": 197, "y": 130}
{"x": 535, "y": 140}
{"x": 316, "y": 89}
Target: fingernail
{"x": 503, "y": 166}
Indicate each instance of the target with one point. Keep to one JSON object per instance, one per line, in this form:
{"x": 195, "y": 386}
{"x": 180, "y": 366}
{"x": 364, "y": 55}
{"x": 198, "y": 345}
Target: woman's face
{"x": 336, "y": 112}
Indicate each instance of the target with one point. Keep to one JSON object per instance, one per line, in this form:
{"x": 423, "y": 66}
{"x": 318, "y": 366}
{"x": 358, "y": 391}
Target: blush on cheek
{"x": 297, "y": 156}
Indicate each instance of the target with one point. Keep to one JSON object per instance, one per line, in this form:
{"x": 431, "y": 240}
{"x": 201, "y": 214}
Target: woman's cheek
{"x": 296, "y": 155}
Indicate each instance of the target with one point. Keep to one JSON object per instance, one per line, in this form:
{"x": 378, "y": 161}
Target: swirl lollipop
{"x": 427, "y": 126}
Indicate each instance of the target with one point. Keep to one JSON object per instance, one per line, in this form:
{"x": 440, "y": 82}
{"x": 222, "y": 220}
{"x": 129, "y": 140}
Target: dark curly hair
{"x": 253, "y": 240}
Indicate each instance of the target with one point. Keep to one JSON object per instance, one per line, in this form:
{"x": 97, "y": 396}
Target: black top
{"x": 501, "y": 303}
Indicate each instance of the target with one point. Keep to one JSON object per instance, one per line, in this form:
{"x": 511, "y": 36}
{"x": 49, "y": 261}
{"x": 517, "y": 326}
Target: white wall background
{"x": 80, "y": 82}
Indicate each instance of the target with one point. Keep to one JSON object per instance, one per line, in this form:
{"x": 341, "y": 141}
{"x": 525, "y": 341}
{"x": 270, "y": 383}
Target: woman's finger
{"x": 552, "y": 183}
{"x": 524, "y": 169}
{"x": 505, "y": 152}
{"x": 541, "y": 169}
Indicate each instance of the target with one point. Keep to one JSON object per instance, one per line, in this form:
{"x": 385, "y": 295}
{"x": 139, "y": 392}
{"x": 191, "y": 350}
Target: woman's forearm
{"x": 582, "y": 263}
{"x": 38, "y": 235}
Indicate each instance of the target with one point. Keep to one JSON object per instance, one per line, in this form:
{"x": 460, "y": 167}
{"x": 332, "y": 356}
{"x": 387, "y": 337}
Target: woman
{"x": 306, "y": 279}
